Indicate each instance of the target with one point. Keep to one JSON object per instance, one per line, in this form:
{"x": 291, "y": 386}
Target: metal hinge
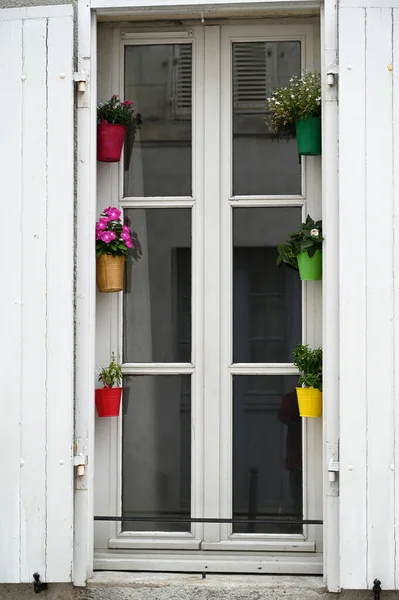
{"x": 80, "y": 461}
{"x": 81, "y": 79}
{"x": 333, "y": 468}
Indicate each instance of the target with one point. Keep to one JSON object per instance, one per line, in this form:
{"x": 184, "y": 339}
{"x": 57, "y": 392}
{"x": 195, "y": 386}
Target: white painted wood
{"x": 212, "y": 256}
{"x": 379, "y": 286}
{"x": 395, "y": 135}
{"x": 60, "y": 286}
{"x": 330, "y": 212}
{"x": 34, "y": 300}
{"x": 38, "y": 512}
{"x": 37, "y": 12}
{"x": 214, "y": 562}
{"x": 11, "y": 300}
{"x": 352, "y": 285}
{"x": 85, "y": 294}
{"x": 278, "y": 4}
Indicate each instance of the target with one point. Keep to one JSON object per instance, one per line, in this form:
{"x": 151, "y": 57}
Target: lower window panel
{"x": 267, "y": 454}
{"x": 156, "y": 452}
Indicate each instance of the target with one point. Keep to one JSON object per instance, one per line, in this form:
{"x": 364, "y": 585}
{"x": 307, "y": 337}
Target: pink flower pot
{"x": 110, "y": 138}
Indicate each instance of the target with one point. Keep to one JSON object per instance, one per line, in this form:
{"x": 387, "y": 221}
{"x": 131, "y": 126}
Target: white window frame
{"x": 215, "y": 495}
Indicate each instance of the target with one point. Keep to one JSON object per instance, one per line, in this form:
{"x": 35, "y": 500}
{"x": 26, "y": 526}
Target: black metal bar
{"x": 270, "y": 521}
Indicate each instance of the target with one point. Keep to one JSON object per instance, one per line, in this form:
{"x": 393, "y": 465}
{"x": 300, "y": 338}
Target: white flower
{"x": 314, "y": 232}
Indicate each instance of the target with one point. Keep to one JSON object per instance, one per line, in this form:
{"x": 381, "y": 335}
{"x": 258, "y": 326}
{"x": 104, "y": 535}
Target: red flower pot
{"x": 110, "y": 138}
{"x": 108, "y": 401}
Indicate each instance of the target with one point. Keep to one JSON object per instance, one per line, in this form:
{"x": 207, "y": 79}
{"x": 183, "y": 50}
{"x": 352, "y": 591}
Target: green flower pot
{"x": 308, "y": 136}
{"x": 309, "y": 267}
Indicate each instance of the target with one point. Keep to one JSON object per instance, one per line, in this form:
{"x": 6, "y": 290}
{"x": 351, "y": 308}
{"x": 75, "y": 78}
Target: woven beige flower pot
{"x": 110, "y": 270}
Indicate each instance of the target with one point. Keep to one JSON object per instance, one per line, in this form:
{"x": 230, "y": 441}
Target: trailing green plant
{"x": 301, "y": 99}
{"x": 308, "y": 239}
{"x": 111, "y": 376}
{"x": 310, "y": 365}
{"x": 119, "y": 113}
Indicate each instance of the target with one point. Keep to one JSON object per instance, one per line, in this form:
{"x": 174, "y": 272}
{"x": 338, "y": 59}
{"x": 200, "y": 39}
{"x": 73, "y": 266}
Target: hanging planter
{"x": 309, "y": 402}
{"x": 302, "y": 250}
{"x": 310, "y": 364}
{"x": 114, "y": 242}
{"x": 108, "y": 401}
{"x": 113, "y": 118}
{"x": 110, "y": 272}
{"x": 308, "y": 136}
{"x": 110, "y": 138}
{"x": 295, "y": 110}
{"x": 108, "y": 398}
{"x": 310, "y": 267}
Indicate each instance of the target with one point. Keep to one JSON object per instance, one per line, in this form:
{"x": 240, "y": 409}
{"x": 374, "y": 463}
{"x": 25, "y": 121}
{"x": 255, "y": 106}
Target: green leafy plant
{"x": 114, "y": 238}
{"x": 308, "y": 239}
{"x": 119, "y": 113}
{"x": 301, "y": 99}
{"x": 310, "y": 365}
{"x": 111, "y": 376}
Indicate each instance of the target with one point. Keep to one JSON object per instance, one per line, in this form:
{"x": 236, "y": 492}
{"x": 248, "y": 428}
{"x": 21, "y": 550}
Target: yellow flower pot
{"x": 309, "y": 402}
{"x": 110, "y": 270}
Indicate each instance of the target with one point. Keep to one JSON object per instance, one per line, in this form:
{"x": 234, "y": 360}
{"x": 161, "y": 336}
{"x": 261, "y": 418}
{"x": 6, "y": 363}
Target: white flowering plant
{"x": 308, "y": 238}
{"x": 301, "y": 99}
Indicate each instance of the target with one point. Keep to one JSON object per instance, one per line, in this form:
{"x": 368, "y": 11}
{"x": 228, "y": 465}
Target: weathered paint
{"x": 368, "y": 334}
{"x": 36, "y": 186}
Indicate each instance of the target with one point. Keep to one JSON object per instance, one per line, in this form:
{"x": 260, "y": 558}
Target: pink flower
{"x": 129, "y": 243}
{"x": 102, "y": 223}
{"x": 98, "y": 234}
{"x": 125, "y": 229}
{"x": 125, "y": 236}
{"x": 112, "y": 213}
{"x": 115, "y": 96}
{"x": 127, "y": 103}
{"x": 107, "y": 236}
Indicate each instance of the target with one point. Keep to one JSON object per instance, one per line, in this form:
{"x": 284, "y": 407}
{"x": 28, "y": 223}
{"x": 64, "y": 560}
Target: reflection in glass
{"x": 267, "y": 299}
{"x": 156, "y": 451}
{"x": 267, "y": 453}
{"x": 261, "y": 164}
{"x": 157, "y": 299}
{"x": 158, "y": 78}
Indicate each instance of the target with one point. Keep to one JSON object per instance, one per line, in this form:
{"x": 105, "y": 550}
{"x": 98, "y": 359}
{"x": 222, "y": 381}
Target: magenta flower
{"x": 125, "y": 229}
{"x": 102, "y": 223}
{"x": 112, "y": 213}
{"x": 115, "y": 96}
{"x": 129, "y": 243}
{"x": 107, "y": 236}
{"x": 127, "y": 103}
{"x": 125, "y": 236}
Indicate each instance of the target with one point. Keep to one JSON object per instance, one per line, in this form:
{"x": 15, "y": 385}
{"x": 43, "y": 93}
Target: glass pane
{"x": 156, "y": 451}
{"x": 262, "y": 164}
{"x": 267, "y": 300}
{"x": 157, "y": 299}
{"x": 158, "y": 80}
{"x": 267, "y": 453}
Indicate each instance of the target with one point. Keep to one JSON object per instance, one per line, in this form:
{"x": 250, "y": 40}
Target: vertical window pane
{"x": 156, "y": 451}
{"x": 261, "y": 164}
{"x": 157, "y": 299}
{"x": 267, "y": 299}
{"x": 158, "y": 79}
{"x": 267, "y": 453}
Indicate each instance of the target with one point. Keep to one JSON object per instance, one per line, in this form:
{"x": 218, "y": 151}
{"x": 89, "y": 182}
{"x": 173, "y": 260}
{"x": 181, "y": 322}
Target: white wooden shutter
{"x": 36, "y": 306}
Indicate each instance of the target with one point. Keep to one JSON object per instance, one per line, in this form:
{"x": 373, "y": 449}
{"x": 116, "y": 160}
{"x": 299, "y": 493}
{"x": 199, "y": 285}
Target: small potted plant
{"x": 113, "y": 118}
{"x": 114, "y": 242}
{"x": 310, "y": 365}
{"x": 108, "y": 398}
{"x": 302, "y": 251}
{"x": 296, "y": 110}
